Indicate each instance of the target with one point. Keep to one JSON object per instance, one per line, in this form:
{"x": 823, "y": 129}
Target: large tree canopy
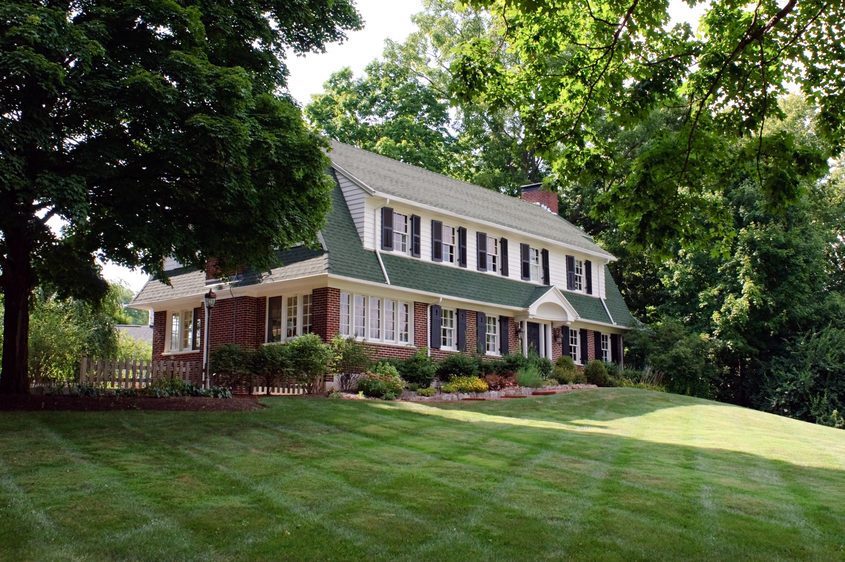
{"x": 584, "y": 64}
{"x": 151, "y": 129}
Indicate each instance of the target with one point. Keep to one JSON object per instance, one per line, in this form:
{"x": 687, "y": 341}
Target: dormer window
{"x": 579, "y": 275}
{"x": 400, "y": 233}
{"x": 449, "y": 243}
{"x": 536, "y": 267}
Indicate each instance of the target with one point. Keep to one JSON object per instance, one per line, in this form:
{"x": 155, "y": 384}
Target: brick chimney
{"x": 534, "y": 193}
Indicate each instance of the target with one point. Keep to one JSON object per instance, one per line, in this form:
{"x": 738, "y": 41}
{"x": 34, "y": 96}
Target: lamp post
{"x": 210, "y": 298}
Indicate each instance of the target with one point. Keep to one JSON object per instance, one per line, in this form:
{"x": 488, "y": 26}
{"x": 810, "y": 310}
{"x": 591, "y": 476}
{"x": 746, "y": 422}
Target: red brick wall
{"x": 557, "y": 344}
{"x": 591, "y": 345}
{"x": 513, "y": 339}
{"x": 325, "y": 312}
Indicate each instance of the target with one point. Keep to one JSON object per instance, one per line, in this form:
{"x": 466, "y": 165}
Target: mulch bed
{"x": 32, "y": 402}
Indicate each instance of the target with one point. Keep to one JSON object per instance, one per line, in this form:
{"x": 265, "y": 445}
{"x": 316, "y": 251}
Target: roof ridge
{"x": 472, "y": 185}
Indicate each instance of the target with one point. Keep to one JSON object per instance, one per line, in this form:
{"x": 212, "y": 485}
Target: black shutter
{"x": 480, "y": 333}
{"x": 597, "y": 347}
{"x": 614, "y": 348}
{"x": 523, "y": 258}
{"x": 588, "y": 273}
{"x": 481, "y": 242}
{"x": 462, "y": 329}
{"x": 436, "y": 241}
{"x": 196, "y": 328}
{"x": 434, "y": 332}
{"x": 504, "y": 335}
{"x": 462, "y": 246}
{"x": 570, "y": 273}
{"x": 503, "y": 256}
{"x": 386, "y": 228}
{"x": 564, "y": 335}
{"x": 585, "y": 345}
{"x": 545, "y": 261}
{"x": 415, "y": 236}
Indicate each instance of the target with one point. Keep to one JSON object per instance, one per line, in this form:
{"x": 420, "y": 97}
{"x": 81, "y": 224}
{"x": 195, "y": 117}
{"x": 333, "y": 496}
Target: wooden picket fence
{"x": 108, "y": 373}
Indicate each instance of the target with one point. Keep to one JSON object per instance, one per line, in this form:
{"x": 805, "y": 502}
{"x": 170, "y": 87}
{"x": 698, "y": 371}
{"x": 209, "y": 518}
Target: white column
{"x": 549, "y": 344}
{"x": 542, "y": 343}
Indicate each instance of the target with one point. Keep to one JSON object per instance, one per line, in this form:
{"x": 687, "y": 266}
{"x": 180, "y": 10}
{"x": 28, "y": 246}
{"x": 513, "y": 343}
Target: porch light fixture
{"x": 519, "y": 329}
{"x": 210, "y": 300}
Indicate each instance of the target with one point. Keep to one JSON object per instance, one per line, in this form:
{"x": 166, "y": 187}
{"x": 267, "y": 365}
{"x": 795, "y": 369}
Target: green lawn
{"x": 612, "y": 473}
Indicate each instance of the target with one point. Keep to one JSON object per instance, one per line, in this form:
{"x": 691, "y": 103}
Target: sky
{"x": 382, "y": 20}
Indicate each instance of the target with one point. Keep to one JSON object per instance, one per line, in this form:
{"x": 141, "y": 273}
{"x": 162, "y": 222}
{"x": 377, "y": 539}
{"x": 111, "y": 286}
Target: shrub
{"x": 310, "y": 360}
{"x": 457, "y": 365}
{"x": 418, "y": 369}
{"x": 596, "y": 373}
{"x": 565, "y": 371}
{"x": 428, "y": 391}
{"x": 544, "y": 366}
{"x": 465, "y": 384}
{"x": 375, "y": 385}
{"x": 512, "y": 363}
{"x": 490, "y": 366}
{"x": 529, "y": 376}
{"x": 233, "y": 365}
{"x": 385, "y": 368}
{"x": 351, "y": 356}
{"x": 499, "y": 382}
{"x": 271, "y": 362}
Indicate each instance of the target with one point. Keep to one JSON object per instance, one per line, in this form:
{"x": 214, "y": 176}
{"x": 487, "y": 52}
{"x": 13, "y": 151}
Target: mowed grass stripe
{"x": 610, "y": 474}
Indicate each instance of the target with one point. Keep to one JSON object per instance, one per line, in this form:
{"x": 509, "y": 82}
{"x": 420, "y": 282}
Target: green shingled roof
{"x": 616, "y": 303}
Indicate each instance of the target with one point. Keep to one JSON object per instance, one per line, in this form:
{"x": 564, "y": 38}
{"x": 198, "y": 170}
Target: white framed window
{"x": 492, "y": 254}
{"x": 400, "y": 233}
{"x": 535, "y": 267}
{"x": 404, "y": 322}
{"x": 184, "y": 330}
{"x": 579, "y": 275}
{"x": 375, "y": 319}
{"x": 447, "y": 328}
{"x": 605, "y": 348}
{"x": 289, "y": 317}
{"x": 389, "y": 319}
{"x": 575, "y": 345}
{"x": 291, "y": 314}
{"x": 346, "y": 314}
{"x": 491, "y": 335}
{"x": 359, "y": 315}
{"x": 306, "y": 314}
{"x": 449, "y": 243}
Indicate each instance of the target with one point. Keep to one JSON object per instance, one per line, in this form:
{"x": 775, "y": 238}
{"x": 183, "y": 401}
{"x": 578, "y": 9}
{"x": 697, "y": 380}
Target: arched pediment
{"x": 552, "y": 306}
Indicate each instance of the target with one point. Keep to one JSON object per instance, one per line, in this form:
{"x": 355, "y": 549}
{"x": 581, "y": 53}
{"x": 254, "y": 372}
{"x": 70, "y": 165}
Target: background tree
{"x": 151, "y": 130}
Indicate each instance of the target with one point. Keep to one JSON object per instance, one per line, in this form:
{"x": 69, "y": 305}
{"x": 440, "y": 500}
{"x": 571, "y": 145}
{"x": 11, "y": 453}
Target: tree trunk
{"x": 17, "y": 290}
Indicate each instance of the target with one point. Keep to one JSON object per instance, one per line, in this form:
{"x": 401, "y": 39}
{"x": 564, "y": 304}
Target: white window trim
{"x": 575, "y": 351}
{"x": 578, "y": 276}
{"x": 397, "y": 307}
{"x": 398, "y": 233}
{"x": 300, "y": 300}
{"x": 492, "y": 321}
{"x": 605, "y": 348}
{"x": 454, "y": 230}
{"x": 535, "y": 269}
{"x": 452, "y": 329}
{"x": 179, "y": 350}
{"x": 492, "y": 242}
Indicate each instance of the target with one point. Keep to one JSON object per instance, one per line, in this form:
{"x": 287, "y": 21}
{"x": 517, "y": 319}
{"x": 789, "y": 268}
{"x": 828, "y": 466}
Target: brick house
{"x": 411, "y": 259}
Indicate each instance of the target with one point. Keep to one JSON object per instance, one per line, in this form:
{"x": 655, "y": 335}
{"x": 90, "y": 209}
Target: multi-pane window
{"x": 492, "y": 254}
{"x": 184, "y": 331}
{"x": 491, "y": 335}
{"x": 375, "y": 319}
{"x": 346, "y": 314}
{"x": 574, "y": 345}
{"x": 605, "y": 348}
{"x": 389, "y": 319}
{"x": 536, "y": 268}
{"x": 359, "y": 316}
{"x": 289, "y": 317}
{"x": 447, "y": 328}
{"x": 449, "y": 243}
{"x": 306, "y": 314}
{"x": 579, "y": 275}
{"x": 400, "y": 233}
{"x": 404, "y": 322}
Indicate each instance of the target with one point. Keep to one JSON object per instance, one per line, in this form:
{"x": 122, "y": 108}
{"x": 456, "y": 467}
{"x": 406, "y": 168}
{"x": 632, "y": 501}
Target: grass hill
{"x": 619, "y": 474}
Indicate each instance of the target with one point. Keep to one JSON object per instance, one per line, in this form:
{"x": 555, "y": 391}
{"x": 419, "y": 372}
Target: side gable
{"x": 356, "y": 202}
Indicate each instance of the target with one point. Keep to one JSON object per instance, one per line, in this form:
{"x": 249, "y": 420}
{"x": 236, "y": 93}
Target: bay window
{"x": 375, "y": 319}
